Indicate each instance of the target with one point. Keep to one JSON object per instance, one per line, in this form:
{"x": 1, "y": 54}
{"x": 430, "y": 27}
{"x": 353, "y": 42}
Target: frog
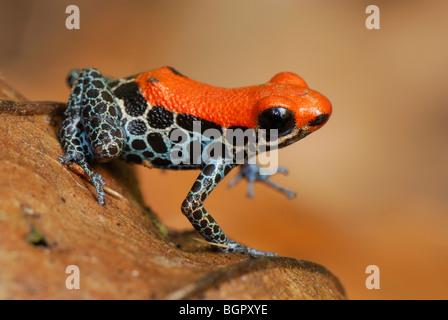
{"x": 156, "y": 118}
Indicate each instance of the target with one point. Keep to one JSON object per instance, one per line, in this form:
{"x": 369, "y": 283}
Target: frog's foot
{"x": 96, "y": 179}
{"x": 252, "y": 173}
{"x": 233, "y": 246}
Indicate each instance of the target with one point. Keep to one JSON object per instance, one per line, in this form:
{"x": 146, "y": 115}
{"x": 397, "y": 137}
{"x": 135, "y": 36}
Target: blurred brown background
{"x": 371, "y": 184}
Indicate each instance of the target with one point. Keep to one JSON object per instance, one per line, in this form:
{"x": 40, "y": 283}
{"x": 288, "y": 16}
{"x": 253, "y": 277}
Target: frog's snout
{"x": 319, "y": 120}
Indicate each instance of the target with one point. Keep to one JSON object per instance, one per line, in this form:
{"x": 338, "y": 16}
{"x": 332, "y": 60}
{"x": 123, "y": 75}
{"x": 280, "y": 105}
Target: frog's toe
{"x": 253, "y": 173}
{"x": 233, "y": 246}
{"x": 65, "y": 159}
{"x": 96, "y": 179}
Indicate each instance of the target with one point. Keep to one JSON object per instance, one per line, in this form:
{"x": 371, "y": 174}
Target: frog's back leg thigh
{"x": 91, "y": 129}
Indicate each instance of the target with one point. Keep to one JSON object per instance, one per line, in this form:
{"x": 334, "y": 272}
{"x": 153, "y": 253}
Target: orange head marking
{"x": 284, "y": 103}
{"x": 291, "y": 108}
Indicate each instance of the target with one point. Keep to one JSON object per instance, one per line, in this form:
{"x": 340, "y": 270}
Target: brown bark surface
{"x": 49, "y": 220}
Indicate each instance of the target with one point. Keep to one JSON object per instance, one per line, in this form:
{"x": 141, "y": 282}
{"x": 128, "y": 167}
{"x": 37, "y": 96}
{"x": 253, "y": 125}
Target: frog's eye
{"x": 278, "y": 118}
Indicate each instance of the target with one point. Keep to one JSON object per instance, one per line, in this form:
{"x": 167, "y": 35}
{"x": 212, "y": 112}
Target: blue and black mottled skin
{"x": 109, "y": 118}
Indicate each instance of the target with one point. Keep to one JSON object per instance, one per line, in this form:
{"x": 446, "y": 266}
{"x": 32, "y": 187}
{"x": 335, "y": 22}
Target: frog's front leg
{"x": 252, "y": 173}
{"x": 91, "y": 129}
{"x": 200, "y": 218}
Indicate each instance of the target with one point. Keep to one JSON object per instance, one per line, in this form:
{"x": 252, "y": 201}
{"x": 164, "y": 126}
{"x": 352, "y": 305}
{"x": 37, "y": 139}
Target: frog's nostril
{"x": 319, "y": 120}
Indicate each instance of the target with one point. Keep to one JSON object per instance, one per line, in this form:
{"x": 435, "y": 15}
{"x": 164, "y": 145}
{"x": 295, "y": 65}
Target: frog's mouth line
{"x": 296, "y": 135}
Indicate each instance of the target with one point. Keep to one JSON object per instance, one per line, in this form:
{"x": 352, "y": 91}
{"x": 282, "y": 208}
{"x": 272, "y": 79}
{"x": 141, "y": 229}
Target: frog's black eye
{"x": 278, "y": 118}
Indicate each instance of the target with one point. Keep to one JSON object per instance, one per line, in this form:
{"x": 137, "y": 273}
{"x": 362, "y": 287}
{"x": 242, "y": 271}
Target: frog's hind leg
{"x": 91, "y": 129}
